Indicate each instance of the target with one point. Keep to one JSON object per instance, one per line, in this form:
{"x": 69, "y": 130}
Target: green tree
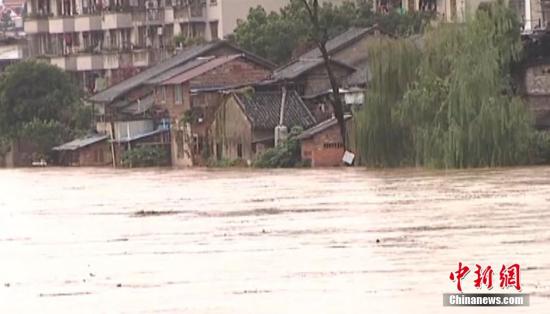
{"x": 40, "y": 103}
{"x": 457, "y": 109}
{"x": 277, "y": 35}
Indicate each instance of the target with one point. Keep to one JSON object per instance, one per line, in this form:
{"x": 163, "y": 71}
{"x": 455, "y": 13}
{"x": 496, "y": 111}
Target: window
{"x": 333, "y": 145}
{"x": 214, "y": 30}
{"x": 240, "y": 150}
{"x": 213, "y": 2}
{"x": 178, "y": 94}
{"x": 163, "y": 94}
{"x": 219, "y": 151}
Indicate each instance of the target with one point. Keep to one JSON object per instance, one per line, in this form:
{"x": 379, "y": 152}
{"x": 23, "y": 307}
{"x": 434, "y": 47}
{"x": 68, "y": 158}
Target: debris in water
{"x": 377, "y": 240}
{"x": 119, "y": 285}
{"x": 7, "y": 284}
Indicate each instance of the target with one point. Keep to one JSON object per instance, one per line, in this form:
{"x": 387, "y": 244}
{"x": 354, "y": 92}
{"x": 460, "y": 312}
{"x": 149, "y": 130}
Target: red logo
{"x": 509, "y": 276}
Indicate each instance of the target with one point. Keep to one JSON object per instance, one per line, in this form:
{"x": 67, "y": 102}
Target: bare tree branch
{"x": 320, "y": 36}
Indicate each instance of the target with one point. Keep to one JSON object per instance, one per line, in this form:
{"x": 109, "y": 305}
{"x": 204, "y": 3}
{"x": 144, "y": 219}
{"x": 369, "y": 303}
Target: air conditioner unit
{"x": 159, "y": 31}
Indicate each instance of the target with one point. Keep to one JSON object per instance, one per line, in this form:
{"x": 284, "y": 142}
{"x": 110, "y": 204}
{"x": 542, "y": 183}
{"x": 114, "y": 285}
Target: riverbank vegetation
{"x": 145, "y": 156}
{"x": 448, "y": 101}
{"x": 40, "y": 105}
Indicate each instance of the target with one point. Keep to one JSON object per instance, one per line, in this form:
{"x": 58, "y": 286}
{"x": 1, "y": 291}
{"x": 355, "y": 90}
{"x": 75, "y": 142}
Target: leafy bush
{"x": 145, "y": 156}
{"x": 226, "y": 163}
{"x": 285, "y": 155}
{"x": 540, "y": 147}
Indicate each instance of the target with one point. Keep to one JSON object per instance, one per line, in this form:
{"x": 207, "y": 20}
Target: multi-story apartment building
{"x": 534, "y": 14}
{"x": 102, "y": 42}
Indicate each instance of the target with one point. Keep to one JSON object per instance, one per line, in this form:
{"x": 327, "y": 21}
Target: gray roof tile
{"x": 263, "y": 110}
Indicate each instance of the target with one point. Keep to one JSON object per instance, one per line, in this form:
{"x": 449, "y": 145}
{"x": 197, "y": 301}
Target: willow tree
{"x": 380, "y": 137}
{"x": 458, "y": 110}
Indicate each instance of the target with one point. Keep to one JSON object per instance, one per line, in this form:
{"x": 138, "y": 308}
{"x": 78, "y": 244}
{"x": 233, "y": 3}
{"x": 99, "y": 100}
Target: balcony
{"x": 66, "y": 63}
{"x": 89, "y": 62}
{"x": 61, "y": 25}
{"x": 87, "y": 23}
{"x": 117, "y": 20}
{"x": 140, "y": 58}
{"x": 33, "y": 26}
{"x": 111, "y": 61}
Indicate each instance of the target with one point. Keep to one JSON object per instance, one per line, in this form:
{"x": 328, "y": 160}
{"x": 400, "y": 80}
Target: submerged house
{"x": 307, "y": 74}
{"x": 137, "y": 106}
{"x": 191, "y": 94}
{"x": 92, "y": 150}
{"x": 322, "y": 144}
{"x": 244, "y": 125}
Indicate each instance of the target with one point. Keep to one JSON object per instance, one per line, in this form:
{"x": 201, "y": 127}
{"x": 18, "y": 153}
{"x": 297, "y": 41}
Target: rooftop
{"x": 116, "y": 91}
{"x": 321, "y": 127}
{"x": 81, "y": 142}
{"x": 263, "y": 109}
{"x": 188, "y": 74}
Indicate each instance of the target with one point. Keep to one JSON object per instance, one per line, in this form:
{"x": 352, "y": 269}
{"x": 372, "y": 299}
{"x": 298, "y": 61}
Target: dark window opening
{"x": 240, "y": 150}
{"x": 333, "y": 145}
{"x": 218, "y": 151}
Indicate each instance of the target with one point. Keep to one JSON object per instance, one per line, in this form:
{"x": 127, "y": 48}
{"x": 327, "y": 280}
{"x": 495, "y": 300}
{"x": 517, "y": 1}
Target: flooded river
{"x": 285, "y": 241}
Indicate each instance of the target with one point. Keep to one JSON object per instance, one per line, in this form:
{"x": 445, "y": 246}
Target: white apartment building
{"x": 102, "y": 42}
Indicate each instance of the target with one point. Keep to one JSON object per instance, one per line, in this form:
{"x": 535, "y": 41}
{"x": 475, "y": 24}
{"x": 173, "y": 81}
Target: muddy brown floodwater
{"x": 285, "y": 241}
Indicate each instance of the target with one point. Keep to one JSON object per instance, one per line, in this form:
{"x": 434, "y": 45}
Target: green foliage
{"x": 44, "y": 135}
{"x": 285, "y": 155}
{"x": 540, "y": 145}
{"x": 276, "y": 35}
{"x": 4, "y": 146}
{"x": 454, "y": 106}
{"x": 145, "y": 156}
{"x": 393, "y": 67}
{"x": 226, "y": 163}
{"x": 40, "y": 104}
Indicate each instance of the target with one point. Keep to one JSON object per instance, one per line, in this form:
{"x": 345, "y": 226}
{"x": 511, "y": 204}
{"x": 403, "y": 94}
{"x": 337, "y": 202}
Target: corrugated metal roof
{"x": 201, "y": 69}
{"x": 313, "y": 58}
{"x": 320, "y": 127}
{"x": 339, "y": 42}
{"x": 110, "y": 94}
{"x": 301, "y": 66}
{"x": 119, "y": 89}
{"x": 177, "y": 70}
{"x": 81, "y": 143}
{"x": 263, "y": 110}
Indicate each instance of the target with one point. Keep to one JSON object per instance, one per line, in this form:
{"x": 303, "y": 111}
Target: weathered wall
{"x": 229, "y": 130}
{"x": 537, "y": 79}
{"x": 356, "y": 54}
{"x": 316, "y": 80}
{"x": 98, "y": 154}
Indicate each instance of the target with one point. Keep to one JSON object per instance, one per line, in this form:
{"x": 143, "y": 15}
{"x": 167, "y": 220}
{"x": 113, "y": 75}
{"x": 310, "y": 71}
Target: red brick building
{"x": 322, "y": 144}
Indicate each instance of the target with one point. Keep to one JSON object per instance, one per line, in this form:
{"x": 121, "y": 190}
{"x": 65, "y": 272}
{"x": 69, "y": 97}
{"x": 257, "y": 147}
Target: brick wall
{"x": 324, "y": 149}
{"x": 239, "y": 71}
